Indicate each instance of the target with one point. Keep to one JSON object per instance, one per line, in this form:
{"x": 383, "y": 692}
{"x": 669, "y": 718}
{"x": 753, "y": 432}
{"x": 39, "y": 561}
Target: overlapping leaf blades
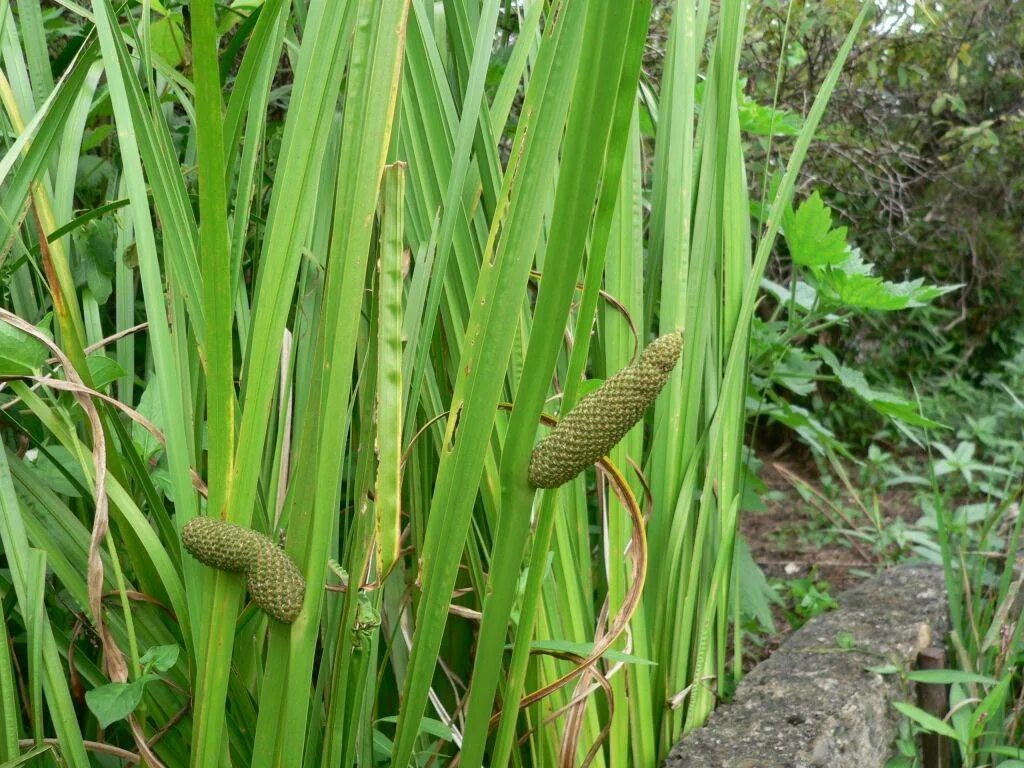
{"x": 294, "y": 351}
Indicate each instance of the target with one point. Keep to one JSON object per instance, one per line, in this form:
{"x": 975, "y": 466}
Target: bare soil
{"x": 793, "y": 538}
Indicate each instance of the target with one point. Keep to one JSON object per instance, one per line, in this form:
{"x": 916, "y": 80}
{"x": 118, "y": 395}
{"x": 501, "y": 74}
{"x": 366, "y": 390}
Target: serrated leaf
{"x": 150, "y": 406}
{"x": 763, "y": 120}
{"x": 804, "y": 296}
{"x": 754, "y": 489}
{"x": 852, "y": 282}
{"x": 756, "y": 594}
{"x": 809, "y": 234}
{"x": 885, "y": 403}
{"x": 96, "y": 241}
{"x": 864, "y": 291}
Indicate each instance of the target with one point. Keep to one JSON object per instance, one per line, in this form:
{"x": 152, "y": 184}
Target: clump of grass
{"x": 279, "y": 310}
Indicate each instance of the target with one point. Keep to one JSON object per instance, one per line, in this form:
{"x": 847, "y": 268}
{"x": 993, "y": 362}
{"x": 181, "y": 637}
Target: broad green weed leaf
{"x": 756, "y": 594}
{"x": 167, "y": 39}
{"x": 805, "y": 296}
{"x": 115, "y": 701}
{"x": 427, "y": 725}
{"x": 762, "y": 120}
{"x": 150, "y": 406}
{"x": 58, "y": 469}
{"x": 20, "y": 354}
{"x": 103, "y": 370}
{"x": 884, "y": 402}
{"x": 160, "y": 657}
{"x": 853, "y": 283}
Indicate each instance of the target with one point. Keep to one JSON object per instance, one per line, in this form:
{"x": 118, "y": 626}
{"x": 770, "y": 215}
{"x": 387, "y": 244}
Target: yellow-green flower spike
{"x": 275, "y": 583}
{"x": 601, "y": 419}
{"x": 219, "y": 544}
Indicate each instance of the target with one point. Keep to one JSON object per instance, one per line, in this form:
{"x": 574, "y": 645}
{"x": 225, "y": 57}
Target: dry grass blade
{"x": 81, "y": 390}
{"x": 113, "y": 658}
{"x": 575, "y": 722}
{"x": 637, "y": 556}
{"x": 130, "y": 758}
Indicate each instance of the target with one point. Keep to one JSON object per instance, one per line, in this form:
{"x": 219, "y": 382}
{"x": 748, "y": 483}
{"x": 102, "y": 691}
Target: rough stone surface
{"x": 811, "y": 704}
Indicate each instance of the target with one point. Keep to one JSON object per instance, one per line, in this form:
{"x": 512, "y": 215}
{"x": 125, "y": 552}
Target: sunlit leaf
{"x": 882, "y": 401}
{"x": 812, "y": 241}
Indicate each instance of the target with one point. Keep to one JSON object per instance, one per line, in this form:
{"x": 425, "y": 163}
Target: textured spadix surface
{"x": 273, "y": 579}
{"x": 602, "y": 418}
{"x": 219, "y": 544}
{"x": 275, "y": 583}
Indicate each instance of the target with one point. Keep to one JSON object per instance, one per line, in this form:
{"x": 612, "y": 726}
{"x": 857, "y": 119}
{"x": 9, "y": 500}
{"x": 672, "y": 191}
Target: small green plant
{"x": 286, "y": 251}
{"x": 977, "y": 541}
{"x": 906, "y": 749}
{"x": 830, "y": 284}
{"x": 974, "y": 699}
{"x": 805, "y": 598}
{"x": 111, "y": 702}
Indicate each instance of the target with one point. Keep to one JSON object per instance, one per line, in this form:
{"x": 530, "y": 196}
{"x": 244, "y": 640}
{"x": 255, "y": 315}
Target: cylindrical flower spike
{"x": 219, "y": 544}
{"x": 274, "y": 581}
{"x": 601, "y": 419}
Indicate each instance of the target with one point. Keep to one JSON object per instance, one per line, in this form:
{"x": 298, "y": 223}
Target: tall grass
{"x": 340, "y": 260}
